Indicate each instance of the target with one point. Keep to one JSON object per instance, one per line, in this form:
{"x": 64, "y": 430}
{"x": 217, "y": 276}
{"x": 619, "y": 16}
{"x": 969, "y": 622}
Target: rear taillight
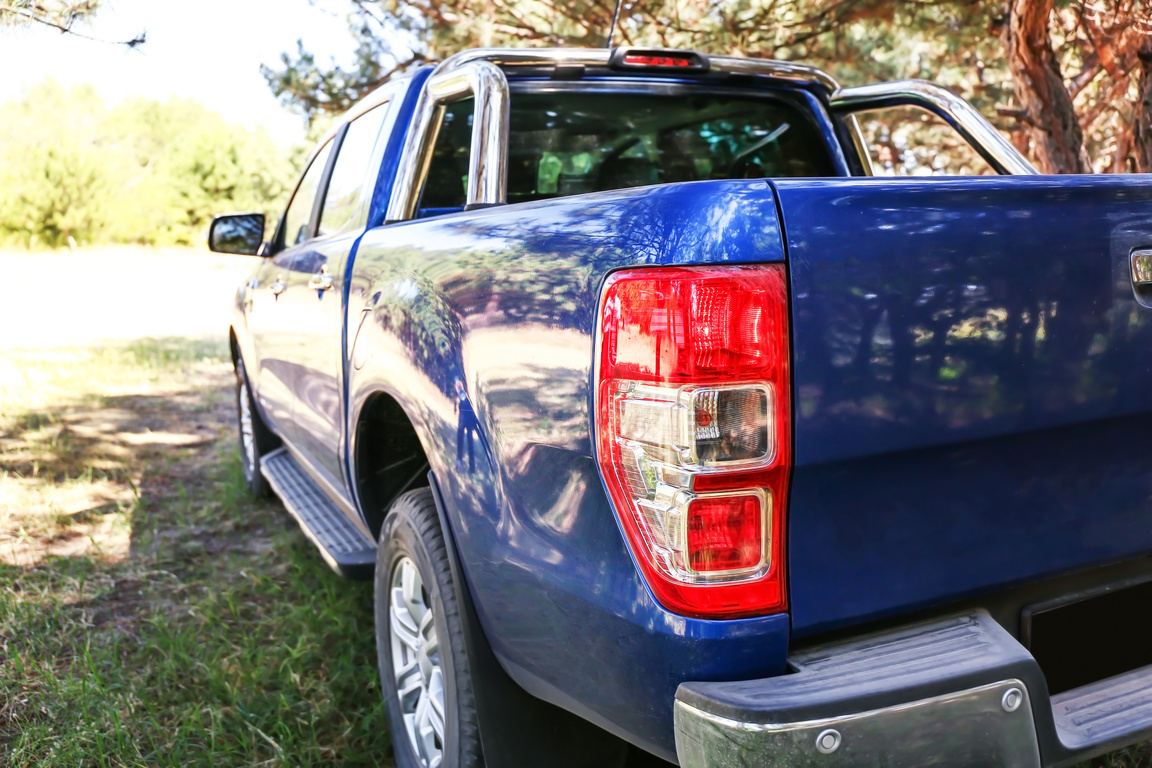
{"x": 692, "y": 431}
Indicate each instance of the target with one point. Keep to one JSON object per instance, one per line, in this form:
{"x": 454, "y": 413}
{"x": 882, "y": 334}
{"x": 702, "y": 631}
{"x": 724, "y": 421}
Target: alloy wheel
{"x": 416, "y": 662}
{"x": 247, "y": 431}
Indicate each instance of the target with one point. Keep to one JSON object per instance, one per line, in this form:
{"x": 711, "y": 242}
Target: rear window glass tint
{"x": 569, "y": 143}
{"x": 446, "y": 186}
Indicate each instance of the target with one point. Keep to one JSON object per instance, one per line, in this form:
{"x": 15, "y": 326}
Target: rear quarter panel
{"x": 504, "y": 301}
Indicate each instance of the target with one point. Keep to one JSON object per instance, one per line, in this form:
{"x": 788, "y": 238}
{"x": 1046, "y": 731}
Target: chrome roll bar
{"x": 958, "y": 113}
{"x": 481, "y": 74}
{"x": 487, "y": 158}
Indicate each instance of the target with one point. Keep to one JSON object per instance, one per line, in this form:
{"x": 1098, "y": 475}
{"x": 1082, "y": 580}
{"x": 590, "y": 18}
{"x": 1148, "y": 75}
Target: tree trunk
{"x": 1056, "y": 136}
{"x": 1143, "y": 120}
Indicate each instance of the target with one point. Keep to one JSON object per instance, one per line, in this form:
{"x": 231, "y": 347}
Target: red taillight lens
{"x": 658, "y": 58}
{"x": 713, "y": 328}
{"x": 725, "y": 533}
{"x": 641, "y": 60}
{"x": 693, "y": 435}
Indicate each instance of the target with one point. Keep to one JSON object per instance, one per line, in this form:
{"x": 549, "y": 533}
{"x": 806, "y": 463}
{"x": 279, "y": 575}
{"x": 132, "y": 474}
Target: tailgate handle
{"x": 1142, "y": 266}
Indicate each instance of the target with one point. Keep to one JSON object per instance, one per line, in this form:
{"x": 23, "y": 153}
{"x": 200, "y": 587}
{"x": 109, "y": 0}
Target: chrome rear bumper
{"x": 966, "y": 728}
{"x": 958, "y": 692}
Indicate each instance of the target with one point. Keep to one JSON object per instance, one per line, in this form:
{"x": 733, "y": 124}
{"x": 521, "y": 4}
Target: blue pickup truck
{"x": 669, "y": 433}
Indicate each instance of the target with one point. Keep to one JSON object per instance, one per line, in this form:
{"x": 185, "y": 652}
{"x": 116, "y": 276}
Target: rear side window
{"x": 342, "y": 209}
{"x": 568, "y": 143}
{"x": 299, "y": 212}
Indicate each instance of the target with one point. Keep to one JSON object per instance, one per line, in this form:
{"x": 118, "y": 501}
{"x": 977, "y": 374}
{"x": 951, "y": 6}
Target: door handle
{"x": 321, "y": 281}
{"x": 277, "y": 288}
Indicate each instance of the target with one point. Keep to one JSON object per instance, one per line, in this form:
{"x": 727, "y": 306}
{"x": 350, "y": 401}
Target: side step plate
{"x": 344, "y": 546}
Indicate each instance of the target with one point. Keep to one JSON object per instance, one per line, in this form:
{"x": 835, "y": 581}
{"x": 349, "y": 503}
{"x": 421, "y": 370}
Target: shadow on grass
{"x": 217, "y": 636}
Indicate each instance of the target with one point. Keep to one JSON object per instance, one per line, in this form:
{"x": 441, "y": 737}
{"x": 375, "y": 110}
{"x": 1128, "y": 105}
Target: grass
{"x": 151, "y": 613}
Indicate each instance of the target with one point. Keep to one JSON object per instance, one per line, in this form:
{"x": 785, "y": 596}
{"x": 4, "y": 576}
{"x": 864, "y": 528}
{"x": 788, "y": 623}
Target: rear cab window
{"x": 570, "y": 142}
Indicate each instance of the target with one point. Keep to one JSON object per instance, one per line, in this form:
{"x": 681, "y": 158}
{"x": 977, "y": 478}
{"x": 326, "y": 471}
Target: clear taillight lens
{"x": 692, "y": 425}
{"x": 698, "y": 426}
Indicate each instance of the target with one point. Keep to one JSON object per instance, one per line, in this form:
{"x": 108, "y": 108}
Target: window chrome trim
{"x": 958, "y": 113}
{"x": 487, "y": 159}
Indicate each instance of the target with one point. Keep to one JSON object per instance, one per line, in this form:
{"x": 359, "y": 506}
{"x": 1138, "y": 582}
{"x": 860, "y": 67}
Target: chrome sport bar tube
{"x": 962, "y": 116}
{"x": 486, "y": 177}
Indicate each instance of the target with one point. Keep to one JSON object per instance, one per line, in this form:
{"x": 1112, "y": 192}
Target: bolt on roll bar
{"x": 958, "y": 113}
{"x": 483, "y": 74}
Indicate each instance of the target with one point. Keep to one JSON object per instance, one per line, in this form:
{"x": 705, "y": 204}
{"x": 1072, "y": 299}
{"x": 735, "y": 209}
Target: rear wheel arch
{"x": 388, "y": 456}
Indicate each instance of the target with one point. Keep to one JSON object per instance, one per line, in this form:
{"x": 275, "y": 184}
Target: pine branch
{"x": 62, "y": 20}
{"x": 1103, "y": 104}
{"x": 1092, "y": 68}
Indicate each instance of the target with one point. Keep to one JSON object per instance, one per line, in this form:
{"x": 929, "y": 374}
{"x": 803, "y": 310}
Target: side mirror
{"x": 241, "y": 233}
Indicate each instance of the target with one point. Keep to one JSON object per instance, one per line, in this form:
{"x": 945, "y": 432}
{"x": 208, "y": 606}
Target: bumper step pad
{"x": 344, "y": 546}
{"x": 1116, "y": 711}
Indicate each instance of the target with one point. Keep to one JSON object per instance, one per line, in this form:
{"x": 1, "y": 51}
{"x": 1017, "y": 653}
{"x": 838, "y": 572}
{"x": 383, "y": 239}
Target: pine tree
{"x": 1062, "y": 77}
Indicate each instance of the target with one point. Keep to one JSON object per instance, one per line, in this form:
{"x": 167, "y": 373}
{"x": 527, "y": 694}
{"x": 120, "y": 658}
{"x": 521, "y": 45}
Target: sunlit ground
{"x": 89, "y": 296}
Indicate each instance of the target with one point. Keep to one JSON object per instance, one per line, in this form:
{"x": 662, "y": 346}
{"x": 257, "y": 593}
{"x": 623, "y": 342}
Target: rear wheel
{"x": 420, "y": 642}
{"x": 256, "y": 440}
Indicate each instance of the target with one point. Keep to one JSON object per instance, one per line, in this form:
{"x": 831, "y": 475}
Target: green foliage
{"x": 857, "y": 41}
{"x": 74, "y": 170}
{"x": 311, "y": 90}
{"x": 62, "y": 15}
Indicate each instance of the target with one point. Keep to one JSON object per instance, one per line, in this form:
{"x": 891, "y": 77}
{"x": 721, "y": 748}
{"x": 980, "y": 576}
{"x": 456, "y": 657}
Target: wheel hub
{"x": 416, "y": 662}
{"x": 247, "y": 431}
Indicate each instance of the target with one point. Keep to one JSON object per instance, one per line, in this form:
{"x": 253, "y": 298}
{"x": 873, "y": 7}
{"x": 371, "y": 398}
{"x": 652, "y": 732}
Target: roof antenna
{"x": 615, "y": 18}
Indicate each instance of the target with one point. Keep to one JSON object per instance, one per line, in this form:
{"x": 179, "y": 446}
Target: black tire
{"x": 411, "y": 539}
{"x": 262, "y": 441}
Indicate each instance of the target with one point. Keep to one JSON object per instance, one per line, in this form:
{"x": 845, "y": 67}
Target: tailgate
{"x": 972, "y": 387}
